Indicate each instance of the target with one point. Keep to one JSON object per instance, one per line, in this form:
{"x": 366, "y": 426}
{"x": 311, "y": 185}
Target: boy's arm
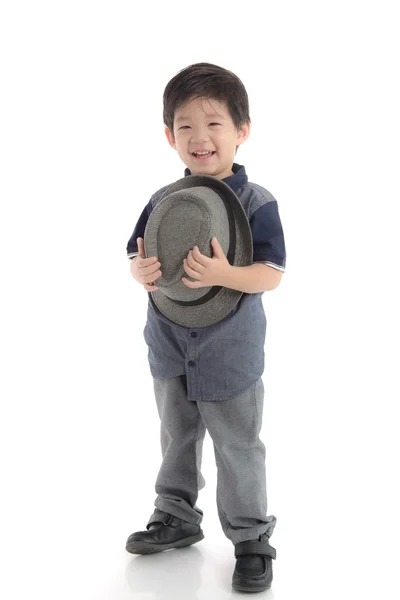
{"x": 269, "y": 253}
{"x": 253, "y": 279}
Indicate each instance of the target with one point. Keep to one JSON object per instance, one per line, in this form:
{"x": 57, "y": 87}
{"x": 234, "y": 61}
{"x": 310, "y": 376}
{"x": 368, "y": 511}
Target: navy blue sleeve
{"x": 132, "y": 248}
{"x": 268, "y": 237}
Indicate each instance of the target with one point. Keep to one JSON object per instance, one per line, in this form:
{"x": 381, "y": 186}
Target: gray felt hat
{"x": 191, "y": 212}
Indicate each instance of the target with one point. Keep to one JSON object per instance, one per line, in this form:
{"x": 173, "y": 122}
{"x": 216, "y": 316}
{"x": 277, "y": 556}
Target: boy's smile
{"x": 206, "y": 137}
{"x": 203, "y": 154}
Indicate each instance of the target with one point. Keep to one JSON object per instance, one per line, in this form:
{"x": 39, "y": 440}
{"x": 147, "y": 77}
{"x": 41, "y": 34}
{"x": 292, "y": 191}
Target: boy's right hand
{"x": 145, "y": 270}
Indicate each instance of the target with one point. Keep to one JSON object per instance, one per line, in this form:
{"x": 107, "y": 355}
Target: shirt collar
{"x": 235, "y": 181}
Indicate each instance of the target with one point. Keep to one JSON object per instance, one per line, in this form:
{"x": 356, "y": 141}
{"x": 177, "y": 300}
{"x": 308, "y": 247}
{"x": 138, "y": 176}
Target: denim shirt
{"x": 224, "y": 359}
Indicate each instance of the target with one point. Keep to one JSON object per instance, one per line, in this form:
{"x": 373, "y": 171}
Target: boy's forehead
{"x": 211, "y": 107}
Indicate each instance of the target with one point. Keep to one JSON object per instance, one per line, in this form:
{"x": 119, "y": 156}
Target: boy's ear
{"x": 243, "y": 133}
{"x": 170, "y": 137}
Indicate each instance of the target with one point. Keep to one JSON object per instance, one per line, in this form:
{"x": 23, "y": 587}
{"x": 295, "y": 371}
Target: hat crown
{"x": 187, "y": 218}
{"x": 179, "y": 229}
{"x": 190, "y": 213}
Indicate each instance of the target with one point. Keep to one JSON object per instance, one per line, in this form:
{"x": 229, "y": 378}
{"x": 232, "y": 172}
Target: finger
{"x": 150, "y": 287}
{"x": 146, "y": 262}
{"x": 192, "y": 262}
{"x": 191, "y": 284}
{"x": 199, "y": 257}
{"x": 149, "y": 270}
{"x": 191, "y": 272}
{"x": 152, "y": 277}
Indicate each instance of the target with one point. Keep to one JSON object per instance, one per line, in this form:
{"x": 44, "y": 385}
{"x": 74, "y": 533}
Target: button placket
{"x": 192, "y": 348}
{"x": 192, "y": 363}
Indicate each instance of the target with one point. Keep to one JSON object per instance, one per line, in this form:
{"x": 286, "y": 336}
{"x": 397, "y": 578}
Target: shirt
{"x": 224, "y": 359}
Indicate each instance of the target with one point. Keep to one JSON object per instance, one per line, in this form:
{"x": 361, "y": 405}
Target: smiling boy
{"x": 210, "y": 378}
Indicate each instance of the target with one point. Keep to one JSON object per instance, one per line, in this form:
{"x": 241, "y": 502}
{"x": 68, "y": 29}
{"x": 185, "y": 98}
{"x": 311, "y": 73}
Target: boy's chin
{"x": 204, "y": 170}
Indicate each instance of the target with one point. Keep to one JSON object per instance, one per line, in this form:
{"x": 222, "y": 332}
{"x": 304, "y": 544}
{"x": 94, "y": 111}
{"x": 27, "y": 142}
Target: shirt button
{"x": 193, "y": 334}
{"x": 191, "y": 363}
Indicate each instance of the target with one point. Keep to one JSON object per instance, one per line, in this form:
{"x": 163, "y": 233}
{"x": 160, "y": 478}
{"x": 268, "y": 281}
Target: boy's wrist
{"x": 228, "y": 276}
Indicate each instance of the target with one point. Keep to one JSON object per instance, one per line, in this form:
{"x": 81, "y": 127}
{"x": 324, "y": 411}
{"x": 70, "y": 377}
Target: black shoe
{"x": 164, "y": 531}
{"x": 253, "y": 571}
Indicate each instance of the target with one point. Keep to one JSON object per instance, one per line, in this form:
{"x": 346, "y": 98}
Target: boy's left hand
{"x": 207, "y": 271}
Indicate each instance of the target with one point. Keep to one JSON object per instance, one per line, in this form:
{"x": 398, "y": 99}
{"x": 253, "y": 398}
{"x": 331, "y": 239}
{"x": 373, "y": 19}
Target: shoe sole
{"x": 245, "y": 588}
{"x": 145, "y": 548}
{"x": 247, "y": 584}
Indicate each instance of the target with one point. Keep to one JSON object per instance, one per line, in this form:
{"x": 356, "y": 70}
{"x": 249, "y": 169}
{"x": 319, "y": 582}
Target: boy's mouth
{"x": 203, "y": 155}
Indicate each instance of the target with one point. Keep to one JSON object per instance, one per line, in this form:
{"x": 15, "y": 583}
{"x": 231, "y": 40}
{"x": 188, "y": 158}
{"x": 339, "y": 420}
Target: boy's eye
{"x": 188, "y": 127}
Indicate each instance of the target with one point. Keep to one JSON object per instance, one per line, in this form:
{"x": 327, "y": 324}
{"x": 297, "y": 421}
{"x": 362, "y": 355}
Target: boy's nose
{"x": 200, "y": 136}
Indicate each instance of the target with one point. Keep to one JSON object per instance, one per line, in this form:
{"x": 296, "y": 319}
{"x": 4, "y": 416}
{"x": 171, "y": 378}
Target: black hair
{"x": 204, "y": 80}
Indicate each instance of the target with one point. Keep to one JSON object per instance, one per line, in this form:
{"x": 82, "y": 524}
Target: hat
{"x": 191, "y": 212}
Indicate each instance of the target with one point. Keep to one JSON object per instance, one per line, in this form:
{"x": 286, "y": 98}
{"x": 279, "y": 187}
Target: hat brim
{"x": 219, "y": 302}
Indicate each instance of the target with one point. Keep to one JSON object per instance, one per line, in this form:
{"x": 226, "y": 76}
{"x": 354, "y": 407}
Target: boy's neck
{"x": 222, "y": 176}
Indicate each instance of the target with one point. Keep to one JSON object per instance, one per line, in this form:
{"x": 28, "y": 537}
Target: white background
{"x": 82, "y": 150}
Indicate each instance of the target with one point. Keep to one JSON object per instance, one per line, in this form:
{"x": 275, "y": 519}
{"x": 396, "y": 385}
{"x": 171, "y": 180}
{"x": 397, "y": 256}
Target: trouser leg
{"x": 234, "y": 426}
{"x": 182, "y": 434}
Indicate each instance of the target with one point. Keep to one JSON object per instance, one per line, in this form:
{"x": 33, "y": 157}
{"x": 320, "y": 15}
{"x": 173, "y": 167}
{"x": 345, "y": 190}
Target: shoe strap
{"x": 159, "y": 517}
{"x": 254, "y": 547}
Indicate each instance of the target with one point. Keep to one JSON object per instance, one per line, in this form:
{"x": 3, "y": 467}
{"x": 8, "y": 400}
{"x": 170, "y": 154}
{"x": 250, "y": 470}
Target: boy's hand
{"x": 145, "y": 270}
{"x": 207, "y": 271}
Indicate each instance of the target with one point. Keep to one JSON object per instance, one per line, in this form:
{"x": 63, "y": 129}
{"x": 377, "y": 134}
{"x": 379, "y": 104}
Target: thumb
{"x": 140, "y": 244}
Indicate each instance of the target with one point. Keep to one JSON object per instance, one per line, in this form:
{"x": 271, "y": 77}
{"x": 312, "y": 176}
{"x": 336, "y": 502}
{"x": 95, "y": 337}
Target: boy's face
{"x": 206, "y": 137}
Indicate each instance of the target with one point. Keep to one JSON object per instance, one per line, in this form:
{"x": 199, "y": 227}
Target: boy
{"x": 206, "y": 115}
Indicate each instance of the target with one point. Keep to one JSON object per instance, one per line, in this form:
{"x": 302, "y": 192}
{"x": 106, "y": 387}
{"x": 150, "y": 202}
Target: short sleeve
{"x": 268, "y": 237}
{"x": 132, "y": 247}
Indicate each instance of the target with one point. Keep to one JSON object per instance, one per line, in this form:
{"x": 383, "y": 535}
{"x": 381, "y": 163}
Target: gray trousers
{"x": 234, "y": 426}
